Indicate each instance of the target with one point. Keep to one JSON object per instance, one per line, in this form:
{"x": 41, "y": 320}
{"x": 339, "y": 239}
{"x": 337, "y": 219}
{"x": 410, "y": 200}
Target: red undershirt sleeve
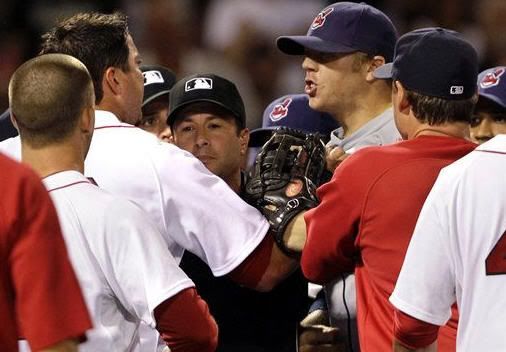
{"x": 185, "y": 323}
{"x": 251, "y": 270}
{"x": 413, "y": 333}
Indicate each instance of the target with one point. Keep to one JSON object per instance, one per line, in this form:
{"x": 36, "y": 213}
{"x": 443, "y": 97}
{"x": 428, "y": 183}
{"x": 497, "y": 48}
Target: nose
{"x": 201, "y": 139}
{"x": 483, "y": 131}
{"x": 166, "y": 135}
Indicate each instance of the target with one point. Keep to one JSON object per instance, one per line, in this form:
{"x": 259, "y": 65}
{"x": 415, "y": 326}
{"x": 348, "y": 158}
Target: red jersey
{"x": 365, "y": 220}
{"x": 38, "y": 288}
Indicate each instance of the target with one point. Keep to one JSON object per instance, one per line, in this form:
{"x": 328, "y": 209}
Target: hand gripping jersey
{"x": 192, "y": 208}
{"x": 458, "y": 251}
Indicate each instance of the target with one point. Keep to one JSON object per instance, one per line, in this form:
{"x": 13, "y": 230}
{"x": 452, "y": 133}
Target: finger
{"x": 319, "y": 334}
{"x": 316, "y": 317}
{"x": 336, "y": 153}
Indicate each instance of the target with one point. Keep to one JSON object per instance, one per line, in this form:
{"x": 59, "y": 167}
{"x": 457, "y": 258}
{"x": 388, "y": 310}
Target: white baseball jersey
{"x": 120, "y": 259}
{"x": 193, "y": 208}
{"x": 458, "y": 251}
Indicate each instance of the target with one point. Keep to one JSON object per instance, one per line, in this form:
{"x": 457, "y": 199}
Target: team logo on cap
{"x": 198, "y": 83}
{"x": 456, "y": 90}
{"x": 280, "y": 110}
{"x": 321, "y": 17}
{"x": 151, "y": 77}
{"x": 492, "y": 78}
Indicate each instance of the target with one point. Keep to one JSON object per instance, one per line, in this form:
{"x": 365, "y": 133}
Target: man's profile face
{"x": 133, "y": 87}
{"x": 485, "y": 125}
{"x": 214, "y": 140}
{"x": 332, "y": 81}
{"x": 154, "y": 119}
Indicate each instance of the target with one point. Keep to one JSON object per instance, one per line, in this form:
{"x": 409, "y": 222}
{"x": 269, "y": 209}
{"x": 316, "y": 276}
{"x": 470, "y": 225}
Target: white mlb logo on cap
{"x": 152, "y": 77}
{"x": 457, "y": 90}
{"x": 198, "y": 83}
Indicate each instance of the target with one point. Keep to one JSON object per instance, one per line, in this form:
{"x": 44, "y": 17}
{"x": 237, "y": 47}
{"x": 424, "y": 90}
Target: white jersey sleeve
{"x": 425, "y": 288}
{"x": 141, "y": 272}
{"x": 193, "y": 209}
{"x": 213, "y": 221}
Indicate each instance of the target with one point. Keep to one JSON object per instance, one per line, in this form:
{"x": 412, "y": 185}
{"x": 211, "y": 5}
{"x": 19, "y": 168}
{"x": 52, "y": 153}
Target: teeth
{"x": 310, "y": 88}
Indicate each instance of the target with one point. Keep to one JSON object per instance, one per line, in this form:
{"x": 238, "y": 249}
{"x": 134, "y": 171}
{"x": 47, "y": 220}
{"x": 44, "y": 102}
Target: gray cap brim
{"x": 259, "y": 136}
{"x": 154, "y": 96}
{"x": 384, "y": 71}
{"x": 297, "y": 44}
{"x": 493, "y": 98}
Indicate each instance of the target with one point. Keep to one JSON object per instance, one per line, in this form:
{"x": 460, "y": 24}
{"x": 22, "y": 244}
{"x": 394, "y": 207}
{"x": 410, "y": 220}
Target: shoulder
{"x": 16, "y": 175}
{"x": 11, "y": 147}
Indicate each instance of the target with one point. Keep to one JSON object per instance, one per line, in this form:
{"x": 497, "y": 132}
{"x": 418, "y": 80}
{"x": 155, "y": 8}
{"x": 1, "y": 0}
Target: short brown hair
{"x": 47, "y": 95}
{"x": 98, "y": 40}
{"x": 436, "y": 111}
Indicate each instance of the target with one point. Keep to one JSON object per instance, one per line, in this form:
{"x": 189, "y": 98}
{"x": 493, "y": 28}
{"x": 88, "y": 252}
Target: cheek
{"x": 500, "y": 127}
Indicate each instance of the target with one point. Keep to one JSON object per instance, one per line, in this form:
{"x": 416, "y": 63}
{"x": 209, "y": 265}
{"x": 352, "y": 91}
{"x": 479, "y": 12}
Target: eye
{"x": 475, "y": 120}
{"x": 147, "y": 121}
{"x": 500, "y": 118}
{"x": 214, "y": 125}
{"x": 322, "y": 58}
{"x": 185, "y": 128}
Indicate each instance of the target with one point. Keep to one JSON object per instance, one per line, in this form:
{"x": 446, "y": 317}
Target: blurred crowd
{"x": 235, "y": 38}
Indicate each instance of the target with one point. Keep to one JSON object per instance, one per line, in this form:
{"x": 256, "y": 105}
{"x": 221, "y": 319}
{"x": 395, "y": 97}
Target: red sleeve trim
{"x": 251, "y": 270}
{"x": 413, "y": 333}
{"x": 185, "y": 323}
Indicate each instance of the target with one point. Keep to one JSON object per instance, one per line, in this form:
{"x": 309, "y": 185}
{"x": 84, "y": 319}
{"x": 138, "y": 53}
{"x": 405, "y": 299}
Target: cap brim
{"x": 384, "y": 71}
{"x": 296, "y": 45}
{"x": 173, "y": 113}
{"x": 154, "y": 96}
{"x": 492, "y": 98}
{"x": 259, "y": 136}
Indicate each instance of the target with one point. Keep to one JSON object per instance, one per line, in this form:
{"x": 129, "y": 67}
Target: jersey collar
{"x": 108, "y": 119}
{"x": 63, "y": 179}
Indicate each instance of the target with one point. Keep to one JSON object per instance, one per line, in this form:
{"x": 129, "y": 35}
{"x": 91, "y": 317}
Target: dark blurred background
{"x": 236, "y": 38}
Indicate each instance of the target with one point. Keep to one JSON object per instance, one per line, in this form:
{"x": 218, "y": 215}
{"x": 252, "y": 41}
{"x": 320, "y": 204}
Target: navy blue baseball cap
{"x": 436, "y": 62}
{"x": 158, "y": 80}
{"x": 492, "y": 85}
{"x": 292, "y": 111}
{"x": 345, "y": 27}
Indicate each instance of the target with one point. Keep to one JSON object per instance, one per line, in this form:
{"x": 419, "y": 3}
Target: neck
{"x": 55, "y": 158}
{"x": 234, "y": 181}
{"x": 451, "y": 129}
{"x": 373, "y": 102}
{"x": 107, "y": 105}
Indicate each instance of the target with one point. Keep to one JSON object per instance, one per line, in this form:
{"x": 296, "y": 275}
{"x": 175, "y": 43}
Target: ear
{"x": 13, "y": 120}
{"x": 87, "y": 120}
{"x": 244, "y": 140}
{"x": 376, "y": 62}
{"x": 401, "y": 98}
{"x": 112, "y": 80}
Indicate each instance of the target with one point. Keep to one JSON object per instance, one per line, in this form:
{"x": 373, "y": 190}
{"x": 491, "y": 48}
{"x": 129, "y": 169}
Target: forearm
{"x": 294, "y": 236}
{"x": 265, "y": 267}
{"x": 185, "y": 323}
